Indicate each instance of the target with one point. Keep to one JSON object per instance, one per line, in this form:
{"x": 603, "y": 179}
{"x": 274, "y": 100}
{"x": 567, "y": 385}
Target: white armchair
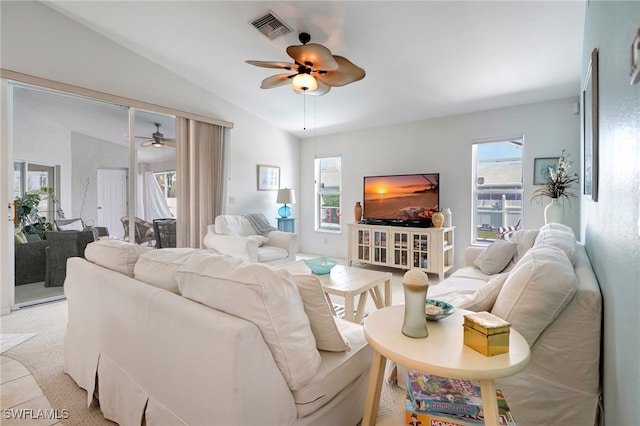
{"x": 235, "y": 236}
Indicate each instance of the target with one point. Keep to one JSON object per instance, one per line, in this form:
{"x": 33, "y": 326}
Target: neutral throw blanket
{"x": 260, "y": 223}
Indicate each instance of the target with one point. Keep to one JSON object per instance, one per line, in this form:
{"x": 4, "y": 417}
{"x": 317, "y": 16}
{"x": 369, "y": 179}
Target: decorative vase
{"x": 448, "y": 218}
{"x": 357, "y": 211}
{"x": 415, "y": 284}
{"x": 437, "y": 219}
{"x": 554, "y": 212}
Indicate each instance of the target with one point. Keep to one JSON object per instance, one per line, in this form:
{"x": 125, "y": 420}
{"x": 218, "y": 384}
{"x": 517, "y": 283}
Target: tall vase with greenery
{"x": 557, "y": 186}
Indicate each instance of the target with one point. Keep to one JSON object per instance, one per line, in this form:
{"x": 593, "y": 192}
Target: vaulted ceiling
{"x": 423, "y": 59}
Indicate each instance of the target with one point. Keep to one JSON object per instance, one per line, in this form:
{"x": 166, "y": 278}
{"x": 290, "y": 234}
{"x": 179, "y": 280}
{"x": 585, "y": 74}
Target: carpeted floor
{"x": 42, "y": 355}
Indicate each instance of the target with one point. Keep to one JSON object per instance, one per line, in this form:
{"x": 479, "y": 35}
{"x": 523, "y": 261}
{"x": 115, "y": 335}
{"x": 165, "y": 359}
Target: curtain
{"x": 155, "y": 204}
{"x": 201, "y": 183}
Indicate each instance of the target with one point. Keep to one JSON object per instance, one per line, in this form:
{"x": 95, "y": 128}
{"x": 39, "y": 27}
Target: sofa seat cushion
{"x": 115, "y": 254}
{"x": 468, "y": 272}
{"x": 269, "y": 253}
{"x": 536, "y": 291}
{"x": 262, "y": 295}
{"x": 158, "y": 267}
{"x": 337, "y": 370}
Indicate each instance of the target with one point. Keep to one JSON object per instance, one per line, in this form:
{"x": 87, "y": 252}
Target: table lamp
{"x": 285, "y": 196}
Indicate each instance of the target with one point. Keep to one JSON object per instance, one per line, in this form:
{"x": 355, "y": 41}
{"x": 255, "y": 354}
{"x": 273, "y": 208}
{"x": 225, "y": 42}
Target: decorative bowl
{"x": 447, "y": 309}
{"x": 320, "y": 265}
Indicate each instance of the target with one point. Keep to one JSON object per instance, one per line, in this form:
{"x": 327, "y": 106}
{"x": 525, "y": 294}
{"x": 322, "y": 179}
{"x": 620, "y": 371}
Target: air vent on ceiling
{"x": 271, "y": 26}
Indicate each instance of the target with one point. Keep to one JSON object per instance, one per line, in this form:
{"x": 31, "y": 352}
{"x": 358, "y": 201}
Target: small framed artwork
{"x": 541, "y": 169}
{"x": 590, "y": 128}
{"x": 268, "y": 178}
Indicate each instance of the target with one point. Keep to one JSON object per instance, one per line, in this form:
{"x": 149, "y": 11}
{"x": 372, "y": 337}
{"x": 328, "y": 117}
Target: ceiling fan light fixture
{"x": 303, "y": 83}
{"x": 157, "y": 144}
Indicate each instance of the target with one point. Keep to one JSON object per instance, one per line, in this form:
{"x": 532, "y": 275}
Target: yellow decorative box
{"x": 486, "y": 333}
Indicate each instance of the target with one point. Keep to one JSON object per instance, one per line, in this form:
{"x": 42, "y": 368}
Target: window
{"x": 328, "y": 173}
{"x": 167, "y": 182}
{"x": 497, "y": 187}
{"x": 30, "y": 177}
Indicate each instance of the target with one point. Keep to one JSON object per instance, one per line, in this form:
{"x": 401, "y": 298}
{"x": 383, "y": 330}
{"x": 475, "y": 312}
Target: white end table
{"x": 442, "y": 353}
{"x": 349, "y": 282}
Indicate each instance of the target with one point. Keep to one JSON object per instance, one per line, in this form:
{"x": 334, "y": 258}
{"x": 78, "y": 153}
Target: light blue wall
{"x": 611, "y": 227}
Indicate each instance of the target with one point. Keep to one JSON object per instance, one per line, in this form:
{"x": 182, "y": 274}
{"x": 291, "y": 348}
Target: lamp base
{"x": 284, "y": 211}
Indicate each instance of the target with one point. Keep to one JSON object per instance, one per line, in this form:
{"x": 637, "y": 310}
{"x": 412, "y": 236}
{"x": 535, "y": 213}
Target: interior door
{"x": 112, "y": 199}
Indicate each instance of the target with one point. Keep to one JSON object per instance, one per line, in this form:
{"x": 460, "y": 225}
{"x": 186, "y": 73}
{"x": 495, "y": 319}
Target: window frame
{"x": 320, "y": 192}
{"x": 516, "y": 191}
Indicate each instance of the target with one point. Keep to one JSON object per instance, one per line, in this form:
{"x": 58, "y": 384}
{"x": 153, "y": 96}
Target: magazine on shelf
{"x": 431, "y": 393}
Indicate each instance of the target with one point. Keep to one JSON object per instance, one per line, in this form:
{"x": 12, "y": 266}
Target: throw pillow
{"x": 524, "y": 238}
{"x": 496, "y": 257}
{"x": 257, "y": 294}
{"x": 536, "y": 291}
{"x": 485, "y": 297}
{"x": 258, "y": 239}
{"x": 20, "y": 238}
{"x": 323, "y": 325}
{"x": 75, "y": 225}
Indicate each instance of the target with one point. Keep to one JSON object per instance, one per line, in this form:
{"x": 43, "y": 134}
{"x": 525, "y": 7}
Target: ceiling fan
{"x": 315, "y": 70}
{"x": 157, "y": 139}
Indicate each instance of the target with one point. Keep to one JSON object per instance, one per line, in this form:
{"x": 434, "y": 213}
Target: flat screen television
{"x": 408, "y": 200}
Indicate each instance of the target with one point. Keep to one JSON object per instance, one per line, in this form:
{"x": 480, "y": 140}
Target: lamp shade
{"x": 304, "y": 83}
{"x": 286, "y": 196}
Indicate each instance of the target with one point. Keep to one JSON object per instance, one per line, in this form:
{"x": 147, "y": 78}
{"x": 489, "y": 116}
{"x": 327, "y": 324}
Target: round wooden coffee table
{"x": 442, "y": 353}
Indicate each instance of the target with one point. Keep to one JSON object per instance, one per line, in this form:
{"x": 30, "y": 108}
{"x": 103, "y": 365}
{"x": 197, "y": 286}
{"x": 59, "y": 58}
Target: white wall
{"x": 440, "y": 145}
{"x": 65, "y": 51}
{"x": 611, "y": 227}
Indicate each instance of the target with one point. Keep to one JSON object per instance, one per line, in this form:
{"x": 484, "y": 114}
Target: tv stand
{"x": 405, "y": 247}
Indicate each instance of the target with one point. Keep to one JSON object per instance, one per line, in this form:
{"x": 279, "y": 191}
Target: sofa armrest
{"x": 285, "y": 240}
{"x": 471, "y": 253}
{"x": 239, "y": 247}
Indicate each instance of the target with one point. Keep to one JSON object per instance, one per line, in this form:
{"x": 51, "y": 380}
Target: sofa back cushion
{"x": 115, "y": 254}
{"x": 259, "y": 294}
{"x": 537, "y": 289}
{"x": 158, "y": 267}
{"x": 560, "y": 236}
{"x": 233, "y": 225}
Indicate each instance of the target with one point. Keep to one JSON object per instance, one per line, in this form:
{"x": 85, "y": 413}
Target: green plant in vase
{"x": 29, "y": 216}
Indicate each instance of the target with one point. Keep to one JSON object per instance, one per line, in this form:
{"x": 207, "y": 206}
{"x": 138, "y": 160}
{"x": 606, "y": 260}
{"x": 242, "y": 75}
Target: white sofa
{"x": 541, "y": 281}
{"x": 191, "y": 336}
{"x": 234, "y": 235}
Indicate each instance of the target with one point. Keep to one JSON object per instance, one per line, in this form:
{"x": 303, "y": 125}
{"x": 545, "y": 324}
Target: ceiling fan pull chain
{"x": 304, "y": 110}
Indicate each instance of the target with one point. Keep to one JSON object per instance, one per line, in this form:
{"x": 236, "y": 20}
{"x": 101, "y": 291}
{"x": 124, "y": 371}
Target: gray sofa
{"x": 30, "y": 261}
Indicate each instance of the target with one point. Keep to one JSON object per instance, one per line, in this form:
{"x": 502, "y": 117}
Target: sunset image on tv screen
{"x": 405, "y": 197}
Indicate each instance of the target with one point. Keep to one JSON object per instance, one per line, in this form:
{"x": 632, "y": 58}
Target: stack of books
{"x": 440, "y": 401}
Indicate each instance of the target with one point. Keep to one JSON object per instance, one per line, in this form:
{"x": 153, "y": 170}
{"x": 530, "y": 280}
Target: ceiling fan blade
{"x": 313, "y": 56}
{"x": 269, "y": 64}
{"x": 169, "y": 142}
{"x": 276, "y": 81}
{"x": 346, "y": 73}
{"x": 146, "y": 144}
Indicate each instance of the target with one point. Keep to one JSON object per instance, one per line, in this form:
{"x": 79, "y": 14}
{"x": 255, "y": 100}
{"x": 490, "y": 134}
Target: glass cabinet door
{"x": 400, "y": 249}
{"x": 420, "y": 247}
{"x": 380, "y": 247}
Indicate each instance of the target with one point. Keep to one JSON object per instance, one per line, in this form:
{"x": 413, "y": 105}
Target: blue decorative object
{"x": 284, "y": 211}
{"x": 321, "y": 265}
{"x": 447, "y": 309}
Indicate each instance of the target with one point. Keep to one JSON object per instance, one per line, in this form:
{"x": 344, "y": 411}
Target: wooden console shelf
{"x": 429, "y": 249}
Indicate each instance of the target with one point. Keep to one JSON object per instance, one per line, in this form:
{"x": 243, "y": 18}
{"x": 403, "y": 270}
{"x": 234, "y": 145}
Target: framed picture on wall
{"x": 590, "y": 128}
{"x": 268, "y": 178}
{"x": 541, "y": 169}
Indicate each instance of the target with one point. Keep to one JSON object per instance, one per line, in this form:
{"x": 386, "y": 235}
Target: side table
{"x": 287, "y": 224}
{"x": 442, "y": 353}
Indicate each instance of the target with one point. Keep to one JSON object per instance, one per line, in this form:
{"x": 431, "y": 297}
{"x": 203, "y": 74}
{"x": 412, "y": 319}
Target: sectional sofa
{"x": 191, "y": 336}
{"x": 541, "y": 281}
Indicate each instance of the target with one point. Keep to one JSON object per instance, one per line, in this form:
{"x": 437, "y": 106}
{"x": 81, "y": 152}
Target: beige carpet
{"x": 42, "y": 355}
